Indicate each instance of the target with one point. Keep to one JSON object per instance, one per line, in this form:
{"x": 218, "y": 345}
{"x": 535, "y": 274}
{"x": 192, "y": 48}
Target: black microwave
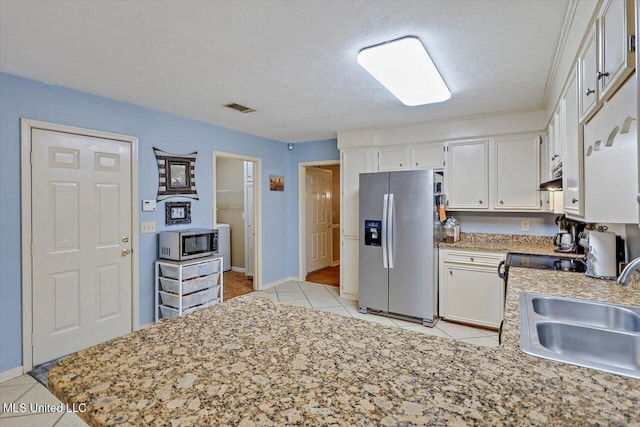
{"x": 181, "y": 245}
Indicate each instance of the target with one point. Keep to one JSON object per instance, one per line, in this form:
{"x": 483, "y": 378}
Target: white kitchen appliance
{"x": 224, "y": 245}
{"x": 601, "y": 260}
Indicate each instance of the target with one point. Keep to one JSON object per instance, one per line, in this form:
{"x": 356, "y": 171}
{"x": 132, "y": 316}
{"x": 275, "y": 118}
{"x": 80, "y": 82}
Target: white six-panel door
{"x": 81, "y": 232}
{"x": 318, "y": 209}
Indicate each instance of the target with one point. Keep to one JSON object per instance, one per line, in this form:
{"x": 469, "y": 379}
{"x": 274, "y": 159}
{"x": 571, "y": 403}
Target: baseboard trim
{"x": 238, "y": 269}
{"x": 279, "y": 282}
{"x": 334, "y": 263}
{"x": 347, "y": 295}
{"x": 10, "y": 374}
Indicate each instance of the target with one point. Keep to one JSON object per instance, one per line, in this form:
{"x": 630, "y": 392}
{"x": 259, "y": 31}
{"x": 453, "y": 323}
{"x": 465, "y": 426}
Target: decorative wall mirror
{"x": 176, "y": 175}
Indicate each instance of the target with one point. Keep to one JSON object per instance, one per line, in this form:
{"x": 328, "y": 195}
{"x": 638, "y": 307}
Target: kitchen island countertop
{"x": 251, "y": 361}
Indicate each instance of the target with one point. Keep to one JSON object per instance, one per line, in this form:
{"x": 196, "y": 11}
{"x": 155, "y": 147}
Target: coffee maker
{"x": 568, "y": 235}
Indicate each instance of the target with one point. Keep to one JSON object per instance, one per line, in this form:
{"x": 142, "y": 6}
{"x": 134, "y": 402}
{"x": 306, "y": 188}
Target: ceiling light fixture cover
{"x": 404, "y": 67}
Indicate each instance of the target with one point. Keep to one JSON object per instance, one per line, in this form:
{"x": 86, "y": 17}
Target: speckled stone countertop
{"x": 255, "y": 362}
{"x": 506, "y": 243}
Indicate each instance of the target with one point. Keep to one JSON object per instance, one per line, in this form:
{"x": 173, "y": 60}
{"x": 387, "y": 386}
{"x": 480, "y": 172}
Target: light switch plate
{"x": 525, "y": 226}
{"x": 148, "y": 206}
{"x": 147, "y": 227}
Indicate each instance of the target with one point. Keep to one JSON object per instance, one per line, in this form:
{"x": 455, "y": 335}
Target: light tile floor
{"x": 326, "y": 298}
{"x": 26, "y": 390}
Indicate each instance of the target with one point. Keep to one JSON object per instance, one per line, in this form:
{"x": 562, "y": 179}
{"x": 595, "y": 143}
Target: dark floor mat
{"x": 41, "y": 372}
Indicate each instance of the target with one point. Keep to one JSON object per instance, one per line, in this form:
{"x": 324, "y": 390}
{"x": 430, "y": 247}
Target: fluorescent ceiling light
{"x": 404, "y": 67}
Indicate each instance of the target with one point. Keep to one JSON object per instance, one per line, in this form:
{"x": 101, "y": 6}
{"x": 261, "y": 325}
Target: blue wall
{"x": 23, "y": 98}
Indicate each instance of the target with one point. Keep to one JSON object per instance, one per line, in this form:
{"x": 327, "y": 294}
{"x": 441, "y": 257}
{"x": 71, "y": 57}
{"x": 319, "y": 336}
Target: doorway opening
{"x": 236, "y": 215}
{"x": 319, "y": 221}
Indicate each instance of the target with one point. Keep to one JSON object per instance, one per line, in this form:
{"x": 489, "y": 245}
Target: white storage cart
{"x": 185, "y": 286}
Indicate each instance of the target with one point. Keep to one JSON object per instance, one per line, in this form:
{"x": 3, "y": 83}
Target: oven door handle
{"x": 501, "y": 270}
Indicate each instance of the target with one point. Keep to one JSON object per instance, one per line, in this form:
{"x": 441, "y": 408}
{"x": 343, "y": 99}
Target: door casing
{"x": 302, "y": 213}
{"x": 257, "y": 189}
{"x": 26, "y": 126}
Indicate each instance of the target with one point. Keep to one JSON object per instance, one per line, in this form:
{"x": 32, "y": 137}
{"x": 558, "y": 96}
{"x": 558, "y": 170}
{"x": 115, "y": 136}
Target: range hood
{"x": 553, "y": 185}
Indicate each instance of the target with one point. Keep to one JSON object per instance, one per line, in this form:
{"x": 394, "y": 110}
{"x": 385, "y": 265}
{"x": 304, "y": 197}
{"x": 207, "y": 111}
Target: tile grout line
{"x": 26, "y": 391}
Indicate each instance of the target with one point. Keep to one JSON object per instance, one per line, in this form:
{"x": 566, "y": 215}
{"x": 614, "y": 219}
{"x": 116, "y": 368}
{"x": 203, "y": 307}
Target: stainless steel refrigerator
{"x": 398, "y": 255}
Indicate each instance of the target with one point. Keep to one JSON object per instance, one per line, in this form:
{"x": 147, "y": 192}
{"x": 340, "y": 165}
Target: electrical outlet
{"x": 148, "y": 227}
{"x": 525, "y": 226}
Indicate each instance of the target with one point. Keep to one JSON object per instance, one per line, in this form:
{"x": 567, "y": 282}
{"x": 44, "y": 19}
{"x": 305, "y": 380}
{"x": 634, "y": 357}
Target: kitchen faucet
{"x": 625, "y": 276}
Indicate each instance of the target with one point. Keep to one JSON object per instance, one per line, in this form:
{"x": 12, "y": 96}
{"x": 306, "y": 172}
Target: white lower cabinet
{"x": 470, "y": 289}
{"x": 349, "y": 278}
{"x": 187, "y": 286}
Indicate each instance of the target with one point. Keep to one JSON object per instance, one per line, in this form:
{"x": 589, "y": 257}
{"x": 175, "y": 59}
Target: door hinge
{"x": 632, "y": 43}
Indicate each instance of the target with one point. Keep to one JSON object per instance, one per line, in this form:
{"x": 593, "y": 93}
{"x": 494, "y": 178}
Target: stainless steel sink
{"x": 619, "y": 318}
{"x": 579, "y": 332}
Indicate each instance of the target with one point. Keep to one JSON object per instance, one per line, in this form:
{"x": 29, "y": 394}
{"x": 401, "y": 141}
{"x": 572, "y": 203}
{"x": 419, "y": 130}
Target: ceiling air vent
{"x": 240, "y": 108}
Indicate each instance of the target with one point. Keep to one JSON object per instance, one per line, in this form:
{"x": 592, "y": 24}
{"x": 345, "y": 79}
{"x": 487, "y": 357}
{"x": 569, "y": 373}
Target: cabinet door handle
{"x": 416, "y": 163}
{"x": 501, "y": 202}
{"x": 450, "y": 272}
{"x": 480, "y": 201}
{"x": 589, "y": 91}
{"x": 600, "y": 75}
{"x": 472, "y": 260}
{"x": 400, "y": 164}
{"x": 574, "y": 200}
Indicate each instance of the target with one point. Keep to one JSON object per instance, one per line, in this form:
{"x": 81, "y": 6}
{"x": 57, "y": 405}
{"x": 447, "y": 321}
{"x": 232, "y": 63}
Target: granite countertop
{"x": 252, "y": 361}
{"x": 521, "y": 243}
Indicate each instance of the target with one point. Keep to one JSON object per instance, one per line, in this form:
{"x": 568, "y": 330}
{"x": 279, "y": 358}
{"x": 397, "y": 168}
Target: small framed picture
{"x": 178, "y": 174}
{"x": 276, "y": 183}
{"x": 178, "y": 213}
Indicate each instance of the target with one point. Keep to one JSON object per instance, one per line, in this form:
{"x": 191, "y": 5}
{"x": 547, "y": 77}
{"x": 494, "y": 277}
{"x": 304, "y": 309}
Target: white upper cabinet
{"x": 588, "y": 87}
{"x": 467, "y": 175}
{"x": 611, "y": 159}
{"x": 616, "y": 23}
{"x": 517, "y": 176}
{"x": 354, "y": 161}
{"x": 427, "y": 156}
{"x": 393, "y": 158}
{"x": 572, "y": 176}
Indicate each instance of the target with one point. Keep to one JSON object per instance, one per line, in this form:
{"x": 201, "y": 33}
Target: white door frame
{"x": 26, "y": 126}
{"x": 302, "y": 214}
{"x": 257, "y": 206}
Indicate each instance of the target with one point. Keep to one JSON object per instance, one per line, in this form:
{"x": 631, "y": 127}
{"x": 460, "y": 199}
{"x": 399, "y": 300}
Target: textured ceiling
{"x": 292, "y": 61}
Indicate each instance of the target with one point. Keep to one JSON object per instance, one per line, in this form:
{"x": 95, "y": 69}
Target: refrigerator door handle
{"x": 391, "y": 239}
{"x": 385, "y": 205}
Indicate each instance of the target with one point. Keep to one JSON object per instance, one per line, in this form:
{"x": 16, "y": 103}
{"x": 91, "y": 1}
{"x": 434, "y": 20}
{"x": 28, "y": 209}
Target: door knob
{"x": 125, "y": 240}
{"x": 574, "y": 200}
{"x": 125, "y": 252}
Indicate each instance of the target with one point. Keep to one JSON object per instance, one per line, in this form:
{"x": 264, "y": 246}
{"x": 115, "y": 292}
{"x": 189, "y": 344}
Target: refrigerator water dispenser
{"x": 372, "y": 232}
